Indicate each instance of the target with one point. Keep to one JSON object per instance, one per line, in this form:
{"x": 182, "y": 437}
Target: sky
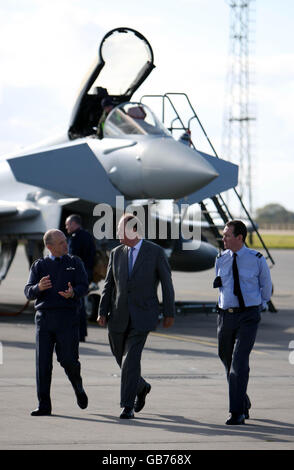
{"x": 46, "y": 48}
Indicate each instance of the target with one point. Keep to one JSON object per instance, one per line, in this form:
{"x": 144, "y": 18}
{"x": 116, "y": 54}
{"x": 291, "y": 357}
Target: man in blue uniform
{"x": 81, "y": 243}
{"x": 244, "y": 283}
{"x": 56, "y": 283}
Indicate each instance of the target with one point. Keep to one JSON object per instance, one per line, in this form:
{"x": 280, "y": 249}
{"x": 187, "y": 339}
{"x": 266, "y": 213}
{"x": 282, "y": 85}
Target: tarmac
{"x": 188, "y": 404}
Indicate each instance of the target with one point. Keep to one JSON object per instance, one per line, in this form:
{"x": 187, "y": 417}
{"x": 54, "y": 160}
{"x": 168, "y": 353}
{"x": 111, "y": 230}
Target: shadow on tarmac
{"x": 260, "y": 429}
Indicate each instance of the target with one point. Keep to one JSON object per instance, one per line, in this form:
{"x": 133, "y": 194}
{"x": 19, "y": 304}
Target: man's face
{"x": 230, "y": 241}
{"x": 70, "y": 226}
{"x": 121, "y": 232}
{"x": 58, "y": 247}
{"x": 125, "y": 233}
{"x": 108, "y": 108}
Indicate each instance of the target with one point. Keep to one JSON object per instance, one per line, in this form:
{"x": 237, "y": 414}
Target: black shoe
{"x": 236, "y": 419}
{"x": 127, "y": 413}
{"x": 40, "y": 412}
{"x": 141, "y": 397}
{"x": 82, "y": 399}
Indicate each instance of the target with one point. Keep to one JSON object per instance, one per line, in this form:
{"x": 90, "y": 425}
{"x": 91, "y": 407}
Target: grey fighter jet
{"x": 129, "y": 154}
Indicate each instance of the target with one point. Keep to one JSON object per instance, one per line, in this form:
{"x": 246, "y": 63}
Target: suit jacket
{"x": 136, "y": 298}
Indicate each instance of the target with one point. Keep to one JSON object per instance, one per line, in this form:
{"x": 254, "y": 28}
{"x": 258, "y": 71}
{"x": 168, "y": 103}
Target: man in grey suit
{"x": 129, "y": 304}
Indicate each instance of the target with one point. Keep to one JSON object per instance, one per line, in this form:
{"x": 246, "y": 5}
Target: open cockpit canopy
{"x": 124, "y": 61}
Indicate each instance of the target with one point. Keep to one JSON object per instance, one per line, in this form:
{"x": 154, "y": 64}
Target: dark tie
{"x": 131, "y": 261}
{"x": 57, "y": 258}
{"x": 237, "y": 288}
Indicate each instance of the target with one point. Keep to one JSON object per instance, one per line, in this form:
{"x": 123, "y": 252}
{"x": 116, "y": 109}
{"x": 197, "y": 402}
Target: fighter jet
{"x": 130, "y": 154}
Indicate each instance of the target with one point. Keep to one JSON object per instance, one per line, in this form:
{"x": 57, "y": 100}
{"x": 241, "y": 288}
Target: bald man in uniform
{"x": 56, "y": 283}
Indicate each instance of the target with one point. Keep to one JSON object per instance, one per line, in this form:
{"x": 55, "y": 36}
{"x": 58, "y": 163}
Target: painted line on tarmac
{"x": 198, "y": 341}
{"x": 185, "y": 338}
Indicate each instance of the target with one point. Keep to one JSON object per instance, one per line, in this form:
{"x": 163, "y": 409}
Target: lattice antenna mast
{"x": 238, "y": 114}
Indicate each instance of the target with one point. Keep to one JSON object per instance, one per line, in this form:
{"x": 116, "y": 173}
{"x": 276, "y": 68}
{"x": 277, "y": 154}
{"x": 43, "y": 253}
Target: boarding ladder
{"x": 214, "y": 208}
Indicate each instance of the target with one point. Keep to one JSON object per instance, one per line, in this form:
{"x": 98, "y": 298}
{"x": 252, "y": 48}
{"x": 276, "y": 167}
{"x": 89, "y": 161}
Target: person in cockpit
{"x": 107, "y": 106}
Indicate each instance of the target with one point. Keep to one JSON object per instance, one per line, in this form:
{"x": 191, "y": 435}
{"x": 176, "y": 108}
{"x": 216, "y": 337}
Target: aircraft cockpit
{"x": 125, "y": 60}
{"x": 133, "y": 119}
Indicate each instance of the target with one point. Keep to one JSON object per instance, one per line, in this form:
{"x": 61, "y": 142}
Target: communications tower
{"x": 239, "y": 113}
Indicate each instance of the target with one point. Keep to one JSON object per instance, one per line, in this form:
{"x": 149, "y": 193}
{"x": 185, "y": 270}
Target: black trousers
{"x": 129, "y": 343}
{"x": 59, "y": 330}
{"x": 83, "y": 331}
{"x": 236, "y": 337}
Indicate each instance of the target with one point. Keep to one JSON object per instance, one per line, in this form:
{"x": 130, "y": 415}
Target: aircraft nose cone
{"x": 172, "y": 170}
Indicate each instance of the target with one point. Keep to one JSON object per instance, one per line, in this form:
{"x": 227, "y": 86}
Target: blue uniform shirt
{"x": 68, "y": 269}
{"x": 254, "y": 277}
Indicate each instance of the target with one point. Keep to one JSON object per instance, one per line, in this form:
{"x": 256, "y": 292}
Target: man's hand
{"x": 68, "y": 293}
{"x": 168, "y": 322}
{"x": 101, "y": 320}
{"x": 45, "y": 283}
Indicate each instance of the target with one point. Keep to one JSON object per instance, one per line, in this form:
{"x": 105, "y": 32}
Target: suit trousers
{"x": 60, "y": 330}
{"x": 236, "y": 337}
{"x": 131, "y": 344}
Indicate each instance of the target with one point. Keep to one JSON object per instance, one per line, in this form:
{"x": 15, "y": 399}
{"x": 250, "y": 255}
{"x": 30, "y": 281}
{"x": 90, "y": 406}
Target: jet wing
{"x": 227, "y": 179}
{"x": 7, "y": 210}
{"x": 19, "y": 210}
{"x": 72, "y": 170}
